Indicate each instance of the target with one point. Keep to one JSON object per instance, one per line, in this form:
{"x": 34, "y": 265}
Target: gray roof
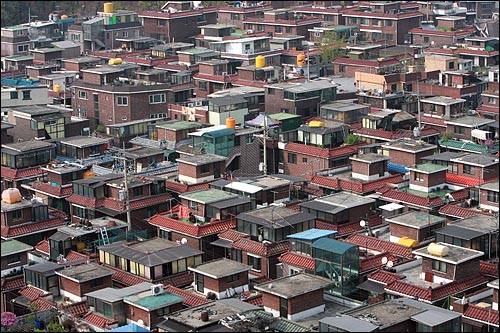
{"x": 152, "y": 252}
{"x": 455, "y": 256}
{"x": 492, "y": 186}
{"x": 275, "y": 217}
{"x": 51, "y": 267}
{"x": 231, "y": 202}
{"x": 469, "y": 121}
{"x": 415, "y": 219}
{"x": 349, "y": 324}
{"x": 220, "y": 268}
{"x": 84, "y": 273}
{"x": 446, "y": 156}
{"x": 458, "y": 232}
{"x": 294, "y": 285}
{"x": 28, "y": 146}
{"x": 477, "y": 159}
{"x": 201, "y": 159}
{"x": 345, "y": 199}
{"x": 479, "y": 222}
{"x": 323, "y": 207}
{"x": 311, "y": 86}
{"x": 435, "y": 317}
{"x": 113, "y": 295}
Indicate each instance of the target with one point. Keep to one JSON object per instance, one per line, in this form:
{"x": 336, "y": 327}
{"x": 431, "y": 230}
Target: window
{"x": 96, "y": 282}
{"x": 202, "y": 85}
{"x": 122, "y": 100}
{"x": 288, "y": 30}
{"x": 17, "y": 214}
{"x": 26, "y": 94}
{"x": 137, "y": 191}
{"x": 83, "y": 95}
{"x": 278, "y": 29}
{"x": 388, "y": 23}
{"x": 376, "y": 22}
{"x": 458, "y": 130}
{"x": 254, "y": 262}
{"x": 160, "y": 23}
{"x": 233, "y": 278}
{"x": 451, "y": 65}
{"x": 270, "y": 91}
{"x": 292, "y": 158}
{"x": 235, "y": 16}
{"x": 14, "y": 95}
{"x": 304, "y": 159}
{"x": 341, "y": 68}
{"x": 468, "y": 169}
{"x": 163, "y": 311}
{"x": 13, "y": 258}
{"x": 205, "y": 168}
{"x": 426, "y": 39}
{"x": 193, "y": 205}
{"x": 364, "y": 21}
{"x": 199, "y": 283}
{"x": 157, "y": 99}
{"x": 389, "y": 37}
{"x": 491, "y": 100}
{"x": 493, "y": 196}
{"x": 419, "y": 177}
{"x": 125, "y": 34}
{"x": 439, "y": 266}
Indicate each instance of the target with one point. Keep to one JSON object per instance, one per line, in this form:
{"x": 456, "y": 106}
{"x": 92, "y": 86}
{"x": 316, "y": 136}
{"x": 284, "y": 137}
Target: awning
{"x": 372, "y": 286}
{"x": 222, "y": 243}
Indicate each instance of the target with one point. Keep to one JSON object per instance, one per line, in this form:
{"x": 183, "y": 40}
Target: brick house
{"x": 28, "y": 222}
{"x": 105, "y": 99}
{"x": 473, "y": 169}
{"x": 369, "y": 166}
{"x": 466, "y": 128}
{"x": 427, "y": 177}
{"x": 81, "y": 147}
{"x": 406, "y": 152}
{"x": 343, "y": 112}
{"x": 286, "y": 297}
{"x": 188, "y": 112}
{"x": 213, "y": 75}
{"x": 76, "y": 64}
{"x": 200, "y": 168}
{"x": 488, "y": 198}
{"x": 236, "y": 15}
{"x": 15, "y": 41}
{"x": 14, "y": 257}
{"x": 173, "y": 132}
{"x": 21, "y": 161}
{"x": 76, "y": 281}
{"x": 442, "y": 106}
{"x": 410, "y": 226}
{"x": 222, "y": 277}
{"x": 164, "y": 25}
{"x": 155, "y": 260}
{"x": 299, "y": 98}
{"x": 438, "y": 38}
{"x": 141, "y": 158}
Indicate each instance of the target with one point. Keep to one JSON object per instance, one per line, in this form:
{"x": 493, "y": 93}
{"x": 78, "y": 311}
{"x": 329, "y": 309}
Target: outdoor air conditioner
{"x": 157, "y": 289}
{"x": 198, "y": 103}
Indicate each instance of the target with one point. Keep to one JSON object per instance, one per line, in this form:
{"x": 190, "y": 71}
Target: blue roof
{"x": 129, "y": 328}
{"x": 219, "y": 133}
{"x": 396, "y": 167}
{"x": 312, "y": 234}
{"x": 332, "y": 245}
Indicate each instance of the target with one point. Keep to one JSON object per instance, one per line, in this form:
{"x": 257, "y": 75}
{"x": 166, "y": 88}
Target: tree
{"x": 331, "y": 46}
{"x": 352, "y": 139}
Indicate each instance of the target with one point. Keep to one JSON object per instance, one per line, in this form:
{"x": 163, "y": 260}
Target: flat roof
{"x": 456, "y": 254}
{"x": 343, "y": 106}
{"x": 83, "y": 141}
{"x": 349, "y": 324}
{"x": 415, "y": 219}
{"x": 345, "y": 199}
{"x": 481, "y": 160}
{"x": 478, "y": 222}
{"x": 294, "y": 285}
{"x": 179, "y": 125}
{"x": 469, "y": 121}
{"x": 148, "y": 302}
{"x": 435, "y": 317}
{"x": 84, "y": 273}
{"x": 459, "y": 232}
{"x": 275, "y": 217}
{"x": 191, "y": 317}
{"x": 450, "y": 18}
{"x": 220, "y": 268}
{"x": 409, "y": 145}
{"x": 442, "y": 100}
{"x": 201, "y": 159}
{"x": 311, "y": 86}
{"x": 312, "y": 234}
{"x": 391, "y": 207}
{"x": 28, "y": 145}
{"x": 14, "y": 246}
{"x": 243, "y": 187}
{"x": 208, "y": 196}
{"x": 492, "y": 186}
{"x": 369, "y": 157}
{"x": 113, "y": 295}
{"x": 428, "y": 168}
{"x": 75, "y": 230}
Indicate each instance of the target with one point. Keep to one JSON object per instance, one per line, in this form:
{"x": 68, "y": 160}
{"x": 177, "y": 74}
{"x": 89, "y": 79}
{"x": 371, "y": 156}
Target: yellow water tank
{"x": 11, "y": 195}
{"x": 409, "y": 242}
{"x": 437, "y": 250}
{"x": 231, "y": 123}
{"x": 260, "y": 61}
{"x": 109, "y": 7}
{"x": 115, "y": 61}
{"x": 80, "y": 246}
{"x": 88, "y": 174}
{"x": 301, "y": 60}
{"x": 316, "y": 123}
{"x": 57, "y": 88}
{"x": 63, "y": 17}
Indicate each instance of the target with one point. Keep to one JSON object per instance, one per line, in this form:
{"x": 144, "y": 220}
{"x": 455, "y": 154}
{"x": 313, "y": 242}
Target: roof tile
{"x": 385, "y": 277}
{"x": 77, "y": 309}
{"x": 43, "y": 246}
{"x": 12, "y": 283}
{"x": 32, "y": 292}
{"x": 475, "y": 312}
{"x": 191, "y": 229}
{"x": 21, "y": 173}
{"x": 99, "y": 320}
{"x": 464, "y": 180}
{"x": 254, "y": 300}
{"x": 297, "y": 260}
{"x": 487, "y": 268}
{"x": 56, "y": 191}
{"x": 232, "y": 235}
{"x": 261, "y": 249}
{"x": 377, "y": 244}
{"x": 43, "y": 304}
{"x": 455, "y": 210}
{"x": 190, "y": 299}
{"x": 375, "y": 261}
{"x": 31, "y": 227}
{"x": 411, "y": 199}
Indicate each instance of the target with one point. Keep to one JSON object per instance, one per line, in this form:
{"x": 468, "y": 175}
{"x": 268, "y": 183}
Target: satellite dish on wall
{"x": 140, "y": 322}
{"x": 384, "y": 260}
{"x": 184, "y": 241}
{"x": 390, "y": 264}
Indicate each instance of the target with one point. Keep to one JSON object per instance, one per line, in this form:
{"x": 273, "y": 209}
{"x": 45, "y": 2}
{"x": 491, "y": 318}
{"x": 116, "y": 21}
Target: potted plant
{"x": 33, "y": 308}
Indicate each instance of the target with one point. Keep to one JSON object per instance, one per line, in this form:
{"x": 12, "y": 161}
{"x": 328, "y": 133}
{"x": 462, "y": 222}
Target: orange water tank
{"x": 301, "y": 60}
{"x": 11, "y": 195}
{"x": 63, "y": 17}
{"x": 88, "y": 174}
{"x": 57, "y": 88}
{"x": 231, "y": 123}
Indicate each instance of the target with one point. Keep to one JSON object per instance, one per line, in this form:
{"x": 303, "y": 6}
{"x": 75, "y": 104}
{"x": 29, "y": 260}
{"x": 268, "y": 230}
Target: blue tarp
{"x": 129, "y": 328}
{"x": 396, "y": 167}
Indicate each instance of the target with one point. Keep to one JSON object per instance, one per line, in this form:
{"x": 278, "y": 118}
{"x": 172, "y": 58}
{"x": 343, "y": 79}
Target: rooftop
{"x": 492, "y": 186}
{"x": 469, "y": 121}
{"x": 201, "y": 159}
{"x": 480, "y": 160}
{"x": 294, "y": 285}
{"x": 28, "y": 145}
{"x": 442, "y": 100}
{"x": 428, "y": 168}
{"x": 311, "y": 86}
{"x": 456, "y": 254}
{"x": 275, "y": 217}
{"x": 149, "y": 302}
{"x": 409, "y": 145}
{"x": 76, "y": 230}
{"x": 345, "y": 200}
{"x": 13, "y": 246}
{"x": 208, "y": 196}
{"x": 312, "y": 234}
{"x": 220, "y": 268}
{"x": 415, "y": 219}
{"x": 481, "y": 223}
{"x": 83, "y": 141}
{"x": 369, "y": 157}
{"x": 350, "y": 324}
{"x": 179, "y": 125}
{"x": 84, "y": 273}
{"x": 113, "y": 295}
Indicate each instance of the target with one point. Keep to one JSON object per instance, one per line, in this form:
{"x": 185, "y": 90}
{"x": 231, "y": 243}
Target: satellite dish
{"x": 184, "y": 241}
{"x": 140, "y": 322}
{"x": 384, "y": 260}
{"x": 362, "y": 223}
{"x": 390, "y": 264}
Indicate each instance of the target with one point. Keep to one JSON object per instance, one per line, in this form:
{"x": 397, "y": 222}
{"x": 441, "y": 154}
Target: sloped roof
{"x": 377, "y": 244}
{"x": 261, "y": 249}
{"x": 31, "y": 227}
{"x": 411, "y": 199}
{"x": 454, "y": 210}
{"x": 332, "y": 245}
{"x": 16, "y": 174}
{"x": 475, "y": 312}
{"x": 190, "y": 299}
{"x": 190, "y": 229}
{"x": 297, "y": 260}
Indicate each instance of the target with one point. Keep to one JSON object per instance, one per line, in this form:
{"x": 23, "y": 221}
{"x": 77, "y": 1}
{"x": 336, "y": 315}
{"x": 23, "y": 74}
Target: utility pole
{"x": 308, "y": 65}
{"x": 265, "y": 145}
{"x": 127, "y": 197}
{"x": 418, "y": 110}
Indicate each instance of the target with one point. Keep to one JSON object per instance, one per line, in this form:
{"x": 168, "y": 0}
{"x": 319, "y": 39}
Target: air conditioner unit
{"x": 198, "y": 103}
{"x": 190, "y": 105}
{"x": 157, "y": 289}
{"x": 249, "y": 31}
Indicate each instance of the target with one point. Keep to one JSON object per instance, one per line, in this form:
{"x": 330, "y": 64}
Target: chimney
{"x": 204, "y": 315}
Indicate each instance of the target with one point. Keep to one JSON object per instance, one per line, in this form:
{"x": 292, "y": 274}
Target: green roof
{"x": 16, "y": 27}
{"x": 155, "y": 302}
{"x": 467, "y": 146}
{"x": 20, "y": 58}
{"x": 179, "y": 125}
{"x": 428, "y": 167}
{"x": 332, "y": 245}
{"x": 283, "y": 115}
{"x": 208, "y": 196}
{"x": 14, "y": 246}
{"x": 280, "y": 324}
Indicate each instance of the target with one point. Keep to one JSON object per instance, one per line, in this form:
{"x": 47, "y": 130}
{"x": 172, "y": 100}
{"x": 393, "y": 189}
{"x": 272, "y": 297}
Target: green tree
{"x": 352, "y": 139}
{"x": 331, "y": 46}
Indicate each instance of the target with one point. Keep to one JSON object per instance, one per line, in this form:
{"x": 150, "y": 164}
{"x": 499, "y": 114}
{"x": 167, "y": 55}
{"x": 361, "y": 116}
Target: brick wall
{"x": 454, "y": 272}
{"x": 429, "y": 180}
{"x": 408, "y": 158}
{"x": 398, "y": 230}
{"x": 23, "y": 260}
{"x": 271, "y": 301}
{"x": 305, "y": 302}
{"x": 191, "y": 241}
{"x": 485, "y": 201}
{"x": 221, "y": 285}
{"x": 303, "y": 168}
{"x": 80, "y": 289}
{"x": 195, "y": 171}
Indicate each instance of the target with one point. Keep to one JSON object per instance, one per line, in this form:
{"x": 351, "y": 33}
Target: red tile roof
{"x": 179, "y": 280}
{"x": 43, "y": 304}
{"x": 55, "y": 191}
{"x": 487, "y": 108}
{"x": 12, "y": 283}
{"x": 384, "y": 276}
{"x": 16, "y": 174}
{"x": 322, "y": 152}
{"x": 355, "y": 13}
{"x": 260, "y": 279}
{"x": 84, "y": 201}
{"x": 411, "y": 199}
{"x": 191, "y": 229}
{"x": 76, "y": 309}
{"x": 357, "y": 186}
{"x": 232, "y": 235}
{"x": 435, "y": 294}
{"x": 380, "y": 245}
{"x": 254, "y": 300}
{"x": 136, "y": 204}
{"x": 215, "y": 78}
{"x": 465, "y": 32}
{"x": 297, "y": 260}
{"x": 99, "y": 320}
{"x": 73, "y": 255}
{"x": 375, "y": 261}
{"x": 460, "y": 194}
{"x": 43, "y": 246}
{"x": 454, "y": 210}
{"x": 465, "y": 180}
{"x": 32, "y": 292}
{"x": 475, "y": 312}
{"x": 126, "y": 278}
{"x": 31, "y": 227}
{"x": 487, "y": 268}
{"x": 190, "y": 299}
{"x": 433, "y": 120}
{"x": 261, "y": 249}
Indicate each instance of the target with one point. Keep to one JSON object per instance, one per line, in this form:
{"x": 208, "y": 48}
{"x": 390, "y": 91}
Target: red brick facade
{"x": 428, "y": 180}
{"x": 80, "y": 289}
{"x": 458, "y": 272}
{"x": 222, "y": 284}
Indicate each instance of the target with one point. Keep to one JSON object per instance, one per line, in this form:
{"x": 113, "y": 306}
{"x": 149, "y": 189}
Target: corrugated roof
{"x": 332, "y": 245}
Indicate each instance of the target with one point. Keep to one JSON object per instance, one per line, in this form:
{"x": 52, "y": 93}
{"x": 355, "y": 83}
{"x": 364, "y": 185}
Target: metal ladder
{"x": 104, "y": 236}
